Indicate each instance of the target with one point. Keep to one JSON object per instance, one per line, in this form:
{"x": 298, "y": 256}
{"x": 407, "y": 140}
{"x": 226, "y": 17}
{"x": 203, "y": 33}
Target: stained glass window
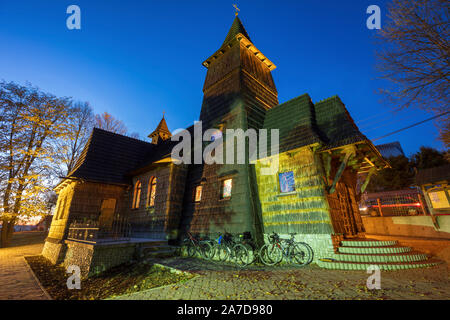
{"x": 198, "y": 194}
{"x": 226, "y": 188}
{"x": 151, "y": 193}
{"x": 287, "y": 181}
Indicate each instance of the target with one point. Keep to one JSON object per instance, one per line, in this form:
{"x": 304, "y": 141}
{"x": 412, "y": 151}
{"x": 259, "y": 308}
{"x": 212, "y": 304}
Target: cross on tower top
{"x": 237, "y": 9}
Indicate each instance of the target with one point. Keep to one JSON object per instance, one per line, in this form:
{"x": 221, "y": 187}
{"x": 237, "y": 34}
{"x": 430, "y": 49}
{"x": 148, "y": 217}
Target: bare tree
{"x": 416, "y": 56}
{"x": 107, "y": 122}
{"x": 30, "y": 122}
{"x": 80, "y": 124}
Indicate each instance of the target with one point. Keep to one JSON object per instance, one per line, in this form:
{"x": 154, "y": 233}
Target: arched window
{"x": 136, "y": 195}
{"x": 151, "y": 192}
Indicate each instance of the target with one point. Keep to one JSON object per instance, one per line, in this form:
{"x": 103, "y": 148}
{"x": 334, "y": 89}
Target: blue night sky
{"x": 135, "y": 59}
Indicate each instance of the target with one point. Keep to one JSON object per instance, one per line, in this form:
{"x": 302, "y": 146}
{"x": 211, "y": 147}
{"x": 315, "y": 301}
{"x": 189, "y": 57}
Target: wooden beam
{"x": 350, "y": 152}
{"x": 368, "y": 161}
{"x": 366, "y": 182}
{"x": 327, "y": 164}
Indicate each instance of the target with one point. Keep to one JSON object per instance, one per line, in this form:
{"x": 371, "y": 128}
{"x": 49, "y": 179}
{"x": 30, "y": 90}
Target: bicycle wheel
{"x": 309, "y": 249}
{"x": 222, "y": 252}
{"x": 187, "y": 248}
{"x": 270, "y": 254}
{"x": 241, "y": 255}
{"x": 299, "y": 254}
{"x": 206, "y": 250}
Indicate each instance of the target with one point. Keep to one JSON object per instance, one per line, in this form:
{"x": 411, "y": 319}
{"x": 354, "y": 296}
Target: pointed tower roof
{"x": 162, "y": 127}
{"x": 161, "y": 131}
{"x": 236, "y": 28}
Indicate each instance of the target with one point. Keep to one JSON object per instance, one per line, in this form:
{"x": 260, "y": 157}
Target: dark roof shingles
{"x": 108, "y": 157}
{"x": 336, "y": 124}
{"x": 295, "y": 120}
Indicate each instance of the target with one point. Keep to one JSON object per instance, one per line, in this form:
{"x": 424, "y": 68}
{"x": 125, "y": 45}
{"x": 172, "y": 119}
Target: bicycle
{"x": 273, "y": 252}
{"x": 195, "y": 244}
{"x": 251, "y": 253}
{"x": 308, "y": 248}
{"x": 215, "y": 244}
{"x": 229, "y": 249}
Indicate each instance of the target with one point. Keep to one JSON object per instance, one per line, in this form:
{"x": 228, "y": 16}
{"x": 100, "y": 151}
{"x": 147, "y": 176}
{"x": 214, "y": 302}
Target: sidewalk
{"x": 16, "y": 280}
{"x": 226, "y": 282}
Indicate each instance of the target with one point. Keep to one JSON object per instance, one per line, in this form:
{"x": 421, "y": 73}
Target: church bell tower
{"x": 238, "y": 80}
{"x": 238, "y": 90}
{"x": 161, "y": 132}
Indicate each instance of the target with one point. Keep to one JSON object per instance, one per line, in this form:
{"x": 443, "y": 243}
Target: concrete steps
{"x": 383, "y": 258}
{"x": 387, "y": 255}
{"x": 157, "y": 249}
{"x": 367, "y": 243}
{"x": 342, "y": 265}
{"x": 374, "y": 250}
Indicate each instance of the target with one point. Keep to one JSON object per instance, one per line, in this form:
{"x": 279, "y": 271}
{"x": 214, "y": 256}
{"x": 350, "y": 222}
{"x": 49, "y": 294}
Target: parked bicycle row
{"x": 242, "y": 249}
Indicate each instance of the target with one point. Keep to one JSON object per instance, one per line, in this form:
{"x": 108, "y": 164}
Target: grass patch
{"x": 123, "y": 279}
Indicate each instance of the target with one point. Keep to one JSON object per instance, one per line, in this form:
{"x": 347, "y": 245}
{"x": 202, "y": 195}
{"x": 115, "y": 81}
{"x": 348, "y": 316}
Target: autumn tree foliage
{"x": 414, "y": 55}
{"x": 30, "y": 122}
{"x": 41, "y": 138}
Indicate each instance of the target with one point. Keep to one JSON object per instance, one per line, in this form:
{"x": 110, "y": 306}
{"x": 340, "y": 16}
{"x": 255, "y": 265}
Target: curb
{"x": 36, "y": 278}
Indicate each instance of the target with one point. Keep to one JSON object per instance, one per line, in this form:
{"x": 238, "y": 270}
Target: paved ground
{"x": 226, "y": 282}
{"x": 219, "y": 281}
{"x": 16, "y": 280}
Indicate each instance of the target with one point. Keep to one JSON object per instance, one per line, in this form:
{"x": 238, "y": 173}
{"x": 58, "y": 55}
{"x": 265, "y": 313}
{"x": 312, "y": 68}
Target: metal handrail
{"x": 91, "y": 231}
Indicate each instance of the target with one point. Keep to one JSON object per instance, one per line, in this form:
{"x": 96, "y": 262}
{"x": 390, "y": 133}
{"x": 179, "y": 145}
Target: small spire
{"x": 237, "y": 10}
{"x": 161, "y": 132}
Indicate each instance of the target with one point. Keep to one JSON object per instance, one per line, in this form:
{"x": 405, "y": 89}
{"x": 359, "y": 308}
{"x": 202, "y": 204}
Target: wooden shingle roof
{"x": 295, "y": 120}
{"x": 335, "y": 124}
{"x": 108, "y": 157}
{"x": 161, "y": 128}
{"x": 236, "y": 28}
{"x": 302, "y": 123}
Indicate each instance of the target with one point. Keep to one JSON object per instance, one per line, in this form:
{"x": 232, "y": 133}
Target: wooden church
{"x": 131, "y": 192}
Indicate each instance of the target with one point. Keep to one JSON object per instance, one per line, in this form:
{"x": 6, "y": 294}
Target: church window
{"x": 198, "y": 193}
{"x": 287, "y": 181}
{"x": 151, "y": 192}
{"x": 136, "y": 195}
{"x": 227, "y": 185}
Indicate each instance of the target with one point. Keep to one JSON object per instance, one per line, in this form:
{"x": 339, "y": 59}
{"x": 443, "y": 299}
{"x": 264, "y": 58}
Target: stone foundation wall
{"x": 96, "y": 258}
{"x": 54, "y": 250}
